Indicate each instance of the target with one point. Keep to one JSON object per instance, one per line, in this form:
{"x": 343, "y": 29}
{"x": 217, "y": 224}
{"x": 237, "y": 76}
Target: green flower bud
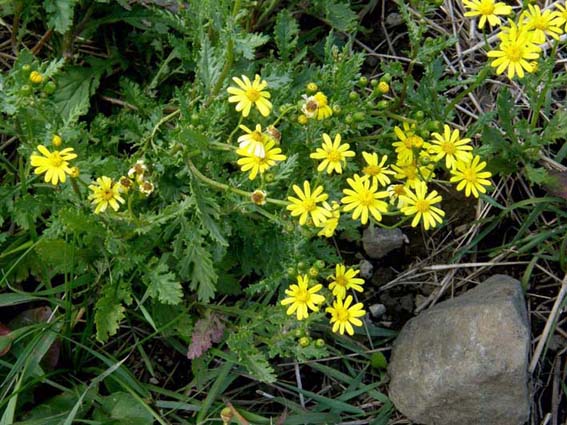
{"x": 359, "y": 116}
{"x": 382, "y": 105}
{"x": 353, "y": 95}
{"x": 363, "y": 81}
{"x": 304, "y": 341}
{"x": 320, "y": 343}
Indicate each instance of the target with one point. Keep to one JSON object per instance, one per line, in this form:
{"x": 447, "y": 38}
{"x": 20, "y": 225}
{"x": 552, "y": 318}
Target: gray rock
{"x": 366, "y": 268}
{"x": 378, "y": 242}
{"x": 465, "y": 360}
{"x": 377, "y": 310}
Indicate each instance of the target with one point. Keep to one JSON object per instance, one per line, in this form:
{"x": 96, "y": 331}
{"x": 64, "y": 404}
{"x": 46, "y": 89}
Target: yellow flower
{"x": 378, "y": 171}
{"x": 413, "y": 174}
{"x": 488, "y": 10}
{"x": 256, "y": 164}
{"x": 408, "y": 141}
{"x": 420, "y": 205}
{"x": 515, "y": 50}
{"x": 75, "y": 172}
{"x": 253, "y": 142}
{"x": 316, "y": 106}
{"x": 450, "y": 146}
{"x": 333, "y": 154}
{"x": 542, "y": 24}
{"x": 471, "y": 177}
{"x": 36, "y": 77}
{"x": 561, "y": 14}
{"x": 54, "y": 164}
{"x": 364, "y": 199}
{"x": 105, "y": 193}
{"x": 56, "y": 140}
{"x": 343, "y": 280}
{"x": 302, "y": 298}
{"x": 306, "y": 205}
{"x": 343, "y": 316}
{"x": 383, "y": 87}
{"x": 250, "y": 93}
{"x": 329, "y": 225}
{"x": 395, "y": 192}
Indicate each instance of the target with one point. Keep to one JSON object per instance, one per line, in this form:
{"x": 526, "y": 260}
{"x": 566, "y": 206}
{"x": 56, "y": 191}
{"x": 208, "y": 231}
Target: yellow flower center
{"x": 448, "y": 148}
{"x": 334, "y": 156}
{"x": 342, "y": 315}
{"x": 257, "y": 136}
{"x": 302, "y": 295}
{"x": 252, "y": 94}
{"x": 422, "y": 206}
{"x": 55, "y": 159}
{"x": 107, "y": 194}
{"x": 486, "y": 7}
{"x": 399, "y": 190}
{"x": 411, "y": 173}
{"x": 366, "y": 197}
{"x": 340, "y": 280}
{"x": 372, "y": 170}
{"x": 540, "y": 23}
{"x": 470, "y": 175}
{"x": 514, "y": 53}
{"x": 309, "y": 205}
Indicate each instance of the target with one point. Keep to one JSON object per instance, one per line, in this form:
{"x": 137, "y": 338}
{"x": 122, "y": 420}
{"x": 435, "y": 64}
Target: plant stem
{"x": 546, "y": 87}
{"x": 225, "y": 187}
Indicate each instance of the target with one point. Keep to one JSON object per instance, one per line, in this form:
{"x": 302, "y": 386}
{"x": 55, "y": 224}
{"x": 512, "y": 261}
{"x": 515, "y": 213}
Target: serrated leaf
{"x": 557, "y": 127}
{"x": 60, "y": 13}
{"x": 209, "y": 66}
{"x": 259, "y": 367}
{"x": 209, "y": 213}
{"x": 74, "y": 89}
{"x": 248, "y": 44}
{"x": 286, "y": 31}
{"x": 163, "y": 285}
{"x": 198, "y": 268}
{"x": 340, "y": 16}
{"x": 109, "y": 312}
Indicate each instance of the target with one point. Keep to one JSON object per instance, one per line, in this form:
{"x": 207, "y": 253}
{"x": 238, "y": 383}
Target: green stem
{"x": 162, "y": 121}
{"x": 291, "y": 108}
{"x": 399, "y": 117}
{"x": 231, "y": 135}
{"x": 225, "y": 187}
{"x": 76, "y": 189}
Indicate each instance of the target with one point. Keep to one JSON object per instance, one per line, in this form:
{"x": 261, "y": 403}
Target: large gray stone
{"x": 378, "y": 242}
{"x": 465, "y": 360}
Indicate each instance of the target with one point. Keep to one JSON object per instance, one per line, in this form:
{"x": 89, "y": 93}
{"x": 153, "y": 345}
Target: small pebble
{"x": 377, "y": 310}
{"x": 366, "y": 269}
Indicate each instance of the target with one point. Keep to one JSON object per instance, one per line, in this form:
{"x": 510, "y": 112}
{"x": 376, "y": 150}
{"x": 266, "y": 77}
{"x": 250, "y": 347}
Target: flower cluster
{"x": 518, "y": 49}
{"x": 303, "y": 297}
{"x": 371, "y": 194}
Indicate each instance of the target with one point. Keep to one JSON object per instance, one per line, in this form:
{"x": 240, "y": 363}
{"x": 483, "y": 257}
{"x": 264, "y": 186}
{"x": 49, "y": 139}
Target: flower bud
{"x": 75, "y": 172}
{"x": 383, "y": 87}
{"x": 258, "y": 197}
{"x": 302, "y": 119}
{"x": 36, "y": 77}
{"x": 304, "y": 341}
{"x": 312, "y": 87}
{"x": 56, "y": 140}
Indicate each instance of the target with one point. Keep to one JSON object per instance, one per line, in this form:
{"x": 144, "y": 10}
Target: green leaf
{"x": 340, "y": 16}
{"x": 259, "y": 367}
{"x": 163, "y": 285}
{"x": 203, "y": 275}
{"x": 108, "y": 315}
{"x": 209, "y": 66}
{"x": 209, "y": 213}
{"x": 536, "y": 175}
{"x": 556, "y": 128}
{"x": 123, "y": 408}
{"x": 60, "y": 14}
{"x": 286, "y": 31}
{"x": 248, "y": 43}
{"x": 74, "y": 90}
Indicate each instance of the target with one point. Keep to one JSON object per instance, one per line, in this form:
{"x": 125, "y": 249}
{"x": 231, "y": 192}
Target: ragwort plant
{"x": 202, "y": 201}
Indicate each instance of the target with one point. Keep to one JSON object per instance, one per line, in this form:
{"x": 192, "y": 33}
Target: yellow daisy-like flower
{"x": 488, "y": 10}
{"x": 302, "y": 298}
{"x": 254, "y": 141}
{"x": 408, "y": 142}
{"x": 329, "y": 225}
{"x": 343, "y": 316}
{"x": 105, "y": 193}
{"x": 377, "y": 169}
{"x": 343, "y": 280}
{"x": 413, "y": 174}
{"x": 515, "y": 51}
{"x": 420, "y": 205}
{"x": 316, "y": 106}
{"x": 470, "y": 176}
{"x": 541, "y": 23}
{"x": 364, "y": 199}
{"x": 450, "y": 146}
{"x": 256, "y": 164}
{"x": 250, "y": 94}
{"x": 306, "y": 204}
{"x": 561, "y": 14}
{"x": 333, "y": 154}
{"x": 395, "y": 191}
{"x": 54, "y": 164}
